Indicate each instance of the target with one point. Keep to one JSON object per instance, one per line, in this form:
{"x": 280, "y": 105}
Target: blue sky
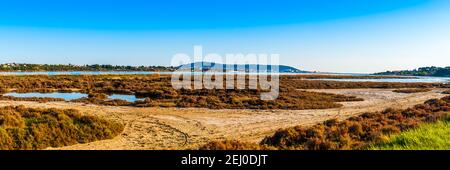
{"x": 324, "y": 35}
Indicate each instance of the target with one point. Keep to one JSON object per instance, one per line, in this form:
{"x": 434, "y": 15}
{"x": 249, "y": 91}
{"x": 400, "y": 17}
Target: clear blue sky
{"x": 323, "y": 35}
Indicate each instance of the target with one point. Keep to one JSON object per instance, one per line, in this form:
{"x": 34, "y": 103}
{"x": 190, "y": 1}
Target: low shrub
{"x": 35, "y": 99}
{"x": 158, "y": 89}
{"x": 412, "y": 90}
{"x": 100, "y": 96}
{"x": 234, "y": 145}
{"x": 26, "y": 128}
{"x": 100, "y": 101}
{"x": 359, "y": 131}
{"x": 356, "y": 132}
{"x": 433, "y": 136}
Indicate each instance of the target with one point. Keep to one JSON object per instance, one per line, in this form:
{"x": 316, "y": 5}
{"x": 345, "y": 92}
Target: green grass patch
{"x": 434, "y": 136}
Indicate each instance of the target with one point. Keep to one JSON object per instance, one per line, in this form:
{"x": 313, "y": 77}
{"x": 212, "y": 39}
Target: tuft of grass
{"x": 434, "y": 136}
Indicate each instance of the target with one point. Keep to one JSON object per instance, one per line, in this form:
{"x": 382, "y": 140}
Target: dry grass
{"x": 433, "y": 136}
{"x": 416, "y": 90}
{"x": 357, "y": 132}
{"x": 25, "y": 128}
{"x": 235, "y": 145}
{"x": 158, "y": 92}
{"x": 319, "y": 84}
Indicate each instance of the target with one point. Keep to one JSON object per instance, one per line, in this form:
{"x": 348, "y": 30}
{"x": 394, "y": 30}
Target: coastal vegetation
{"x": 69, "y": 67}
{"x": 24, "y": 128}
{"x": 319, "y": 84}
{"x": 156, "y": 91}
{"x": 35, "y": 99}
{"x": 235, "y": 145}
{"x": 342, "y": 76}
{"x": 423, "y": 71}
{"x": 433, "y": 136}
{"x": 358, "y": 132}
{"x": 412, "y": 90}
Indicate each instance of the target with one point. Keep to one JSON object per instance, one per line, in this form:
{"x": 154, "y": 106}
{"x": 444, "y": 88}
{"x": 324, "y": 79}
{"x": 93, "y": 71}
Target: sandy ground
{"x": 188, "y": 128}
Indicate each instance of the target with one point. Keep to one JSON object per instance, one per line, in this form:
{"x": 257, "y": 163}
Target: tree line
{"x": 70, "y": 67}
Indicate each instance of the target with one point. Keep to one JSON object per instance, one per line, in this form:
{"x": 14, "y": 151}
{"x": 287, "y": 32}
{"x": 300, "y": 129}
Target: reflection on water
{"x": 71, "y": 96}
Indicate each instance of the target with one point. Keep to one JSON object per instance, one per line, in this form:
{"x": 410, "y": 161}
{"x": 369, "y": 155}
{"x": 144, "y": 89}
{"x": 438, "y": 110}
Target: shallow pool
{"x": 72, "y": 96}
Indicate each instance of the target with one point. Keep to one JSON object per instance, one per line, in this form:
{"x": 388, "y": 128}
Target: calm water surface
{"x": 72, "y": 96}
{"x": 397, "y": 80}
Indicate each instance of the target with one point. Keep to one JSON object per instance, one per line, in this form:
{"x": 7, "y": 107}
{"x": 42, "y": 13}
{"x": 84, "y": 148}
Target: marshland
{"x": 145, "y": 112}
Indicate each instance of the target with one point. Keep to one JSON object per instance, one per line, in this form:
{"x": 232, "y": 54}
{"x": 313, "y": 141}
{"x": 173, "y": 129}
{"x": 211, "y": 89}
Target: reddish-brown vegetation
{"x": 26, "y": 128}
{"x": 98, "y": 101}
{"x": 342, "y": 76}
{"x": 235, "y": 145}
{"x": 36, "y": 99}
{"x": 354, "y": 133}
{"x": 360, "y": 131}
{"x": 412, "y": 90}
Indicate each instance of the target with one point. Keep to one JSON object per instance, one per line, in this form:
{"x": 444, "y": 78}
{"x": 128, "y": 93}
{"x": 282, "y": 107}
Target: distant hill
{"x": 423, "y": 71}
{"x": 10, "y": 67}
{"x": 207, "y": 66}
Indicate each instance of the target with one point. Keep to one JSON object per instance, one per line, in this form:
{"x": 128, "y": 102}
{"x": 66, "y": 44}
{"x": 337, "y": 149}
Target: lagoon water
{"x": 400, "y": 80}
{"x": 71, "y": 96}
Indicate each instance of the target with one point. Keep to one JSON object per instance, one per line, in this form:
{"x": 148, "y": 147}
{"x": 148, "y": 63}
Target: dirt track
{"x": 187, "y": 128}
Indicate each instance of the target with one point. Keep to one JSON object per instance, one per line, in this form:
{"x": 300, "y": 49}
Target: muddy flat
{"x": 188, "y": 128}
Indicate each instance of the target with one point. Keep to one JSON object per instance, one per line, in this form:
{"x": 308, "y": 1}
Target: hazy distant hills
{"x": 208, "y": 66}
{"x": 423, "y": 71}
